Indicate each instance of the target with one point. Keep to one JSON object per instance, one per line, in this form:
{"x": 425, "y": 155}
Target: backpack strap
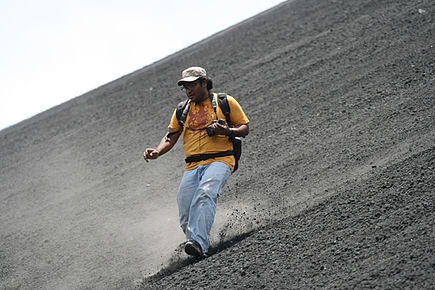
{"x": 225, "y": 107}
{"x": 182, "y": 110}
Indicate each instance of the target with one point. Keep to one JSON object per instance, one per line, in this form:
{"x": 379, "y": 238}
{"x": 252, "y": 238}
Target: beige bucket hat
{"x": 191, "y": 74}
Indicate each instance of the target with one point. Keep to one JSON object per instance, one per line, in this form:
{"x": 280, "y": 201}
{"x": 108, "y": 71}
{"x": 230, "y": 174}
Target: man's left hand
{"x": 221, "y": 129}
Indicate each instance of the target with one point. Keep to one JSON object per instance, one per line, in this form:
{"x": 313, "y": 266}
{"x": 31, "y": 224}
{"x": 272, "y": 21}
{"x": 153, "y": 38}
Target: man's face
{"x": 196, "y": 90}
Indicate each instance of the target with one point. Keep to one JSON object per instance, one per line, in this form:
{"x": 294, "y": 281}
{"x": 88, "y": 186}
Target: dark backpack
{"x": 181, "y": 114}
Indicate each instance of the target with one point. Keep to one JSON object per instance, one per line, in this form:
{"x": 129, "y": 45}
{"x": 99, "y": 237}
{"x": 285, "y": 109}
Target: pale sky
{"x": 54, "y": 50}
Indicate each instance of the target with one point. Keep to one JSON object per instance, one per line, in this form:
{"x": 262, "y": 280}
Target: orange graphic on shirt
{"x": 200, "y": 116}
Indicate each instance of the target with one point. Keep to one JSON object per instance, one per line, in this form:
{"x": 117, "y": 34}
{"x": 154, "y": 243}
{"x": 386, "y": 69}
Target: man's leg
{"x": 188, "y": 186}
{"x": 203, "y": 206}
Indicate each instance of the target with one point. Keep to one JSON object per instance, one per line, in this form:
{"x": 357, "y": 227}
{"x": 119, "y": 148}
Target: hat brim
{"x": 187, "y": 80}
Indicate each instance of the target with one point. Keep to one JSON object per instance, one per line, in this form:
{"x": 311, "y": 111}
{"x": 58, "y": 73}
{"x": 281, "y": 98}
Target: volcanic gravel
{"x": 373, "y": 234}
{"x": 335, "y": 188}
{"x": 340, "y": 162}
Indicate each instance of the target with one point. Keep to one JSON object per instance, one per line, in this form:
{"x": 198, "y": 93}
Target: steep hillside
{"x": 335, "y": 186}
{"x": 372, "y": 234}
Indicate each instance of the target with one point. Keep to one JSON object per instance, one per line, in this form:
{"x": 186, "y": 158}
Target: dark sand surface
{"x": 335, "y": 187}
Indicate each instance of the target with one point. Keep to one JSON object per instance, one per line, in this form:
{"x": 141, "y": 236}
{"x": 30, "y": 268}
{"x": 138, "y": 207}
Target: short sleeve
{"x": 237, "y": 115}
{"x": 174, "y": 126}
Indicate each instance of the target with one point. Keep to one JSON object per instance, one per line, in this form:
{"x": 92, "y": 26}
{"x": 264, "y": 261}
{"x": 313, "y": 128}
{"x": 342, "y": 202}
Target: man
{"x": 203, "y": 177}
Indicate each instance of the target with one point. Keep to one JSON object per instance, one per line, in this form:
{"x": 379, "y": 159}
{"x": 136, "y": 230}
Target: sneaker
{"x": 193, "y": 248}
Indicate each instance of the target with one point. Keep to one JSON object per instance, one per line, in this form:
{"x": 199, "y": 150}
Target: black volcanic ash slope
{"x": 376, "y": 233}
{"x": 341, "y": 100}
{"x": 335, "y": 183}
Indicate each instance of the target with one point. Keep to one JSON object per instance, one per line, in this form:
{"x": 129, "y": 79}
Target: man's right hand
{"x": 150, "y": 153}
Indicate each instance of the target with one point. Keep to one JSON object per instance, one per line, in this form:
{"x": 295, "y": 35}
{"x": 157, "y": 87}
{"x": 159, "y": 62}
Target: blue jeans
{"x": 197, "y": 198}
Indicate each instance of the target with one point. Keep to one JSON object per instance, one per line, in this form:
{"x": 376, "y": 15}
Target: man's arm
{"x": 165, "y": 145}
{"x": 240, "y": 131}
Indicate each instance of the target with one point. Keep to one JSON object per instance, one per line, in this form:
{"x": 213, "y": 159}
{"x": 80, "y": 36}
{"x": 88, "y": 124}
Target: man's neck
{"x": 204, "y": 97}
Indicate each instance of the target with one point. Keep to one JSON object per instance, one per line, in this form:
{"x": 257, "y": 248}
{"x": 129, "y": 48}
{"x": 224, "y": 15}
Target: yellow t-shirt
{"x": 195, "y": 138}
